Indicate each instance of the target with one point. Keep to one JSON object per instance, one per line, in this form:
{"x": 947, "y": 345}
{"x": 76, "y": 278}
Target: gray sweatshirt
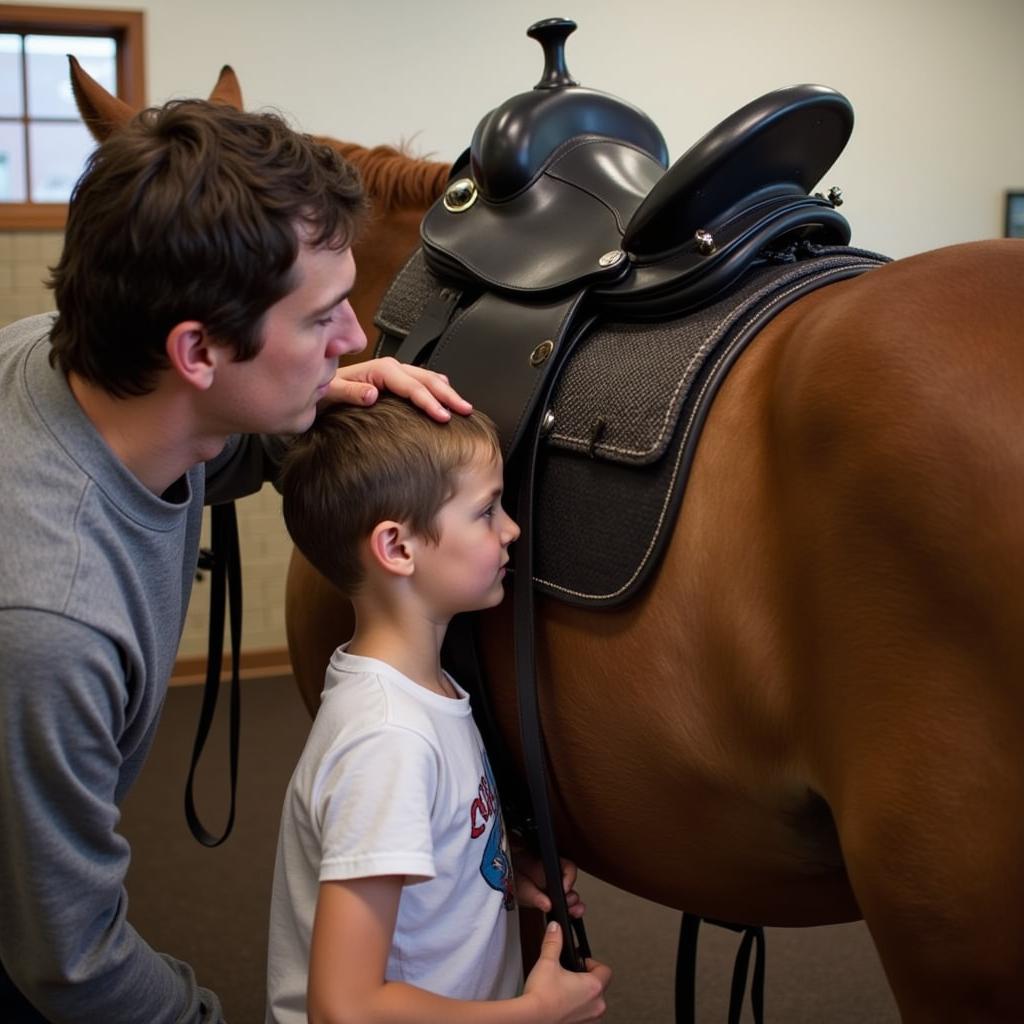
{"x": 95, "y": 576}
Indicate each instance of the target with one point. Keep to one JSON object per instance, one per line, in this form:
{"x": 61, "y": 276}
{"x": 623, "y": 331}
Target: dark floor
{"x": 209, "y": 906}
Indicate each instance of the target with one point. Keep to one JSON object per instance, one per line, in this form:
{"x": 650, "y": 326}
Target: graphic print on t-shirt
{"x": 496, "y": 864}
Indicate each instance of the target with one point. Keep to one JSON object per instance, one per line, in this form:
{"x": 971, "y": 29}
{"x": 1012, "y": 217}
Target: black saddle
{"x": 560, "y": 179}
{"x": 564, "y": 207}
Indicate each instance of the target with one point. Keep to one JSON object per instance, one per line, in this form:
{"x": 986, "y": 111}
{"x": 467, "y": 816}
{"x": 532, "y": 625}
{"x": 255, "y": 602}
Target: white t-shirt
{"x": 394, "y": 780}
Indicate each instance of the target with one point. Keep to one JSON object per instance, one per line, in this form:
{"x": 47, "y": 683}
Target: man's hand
{"x": 530, "y": 884}
{"x": 362, "y": 383}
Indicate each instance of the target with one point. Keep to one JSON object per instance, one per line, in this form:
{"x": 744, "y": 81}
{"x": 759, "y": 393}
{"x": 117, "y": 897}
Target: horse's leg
{"x": 901, "y": 447}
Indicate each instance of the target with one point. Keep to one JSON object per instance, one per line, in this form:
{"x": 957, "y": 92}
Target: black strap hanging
{"x": 575, "y": 948}
{"x": 225, "y": 564}
{"x": 686, "y": 971}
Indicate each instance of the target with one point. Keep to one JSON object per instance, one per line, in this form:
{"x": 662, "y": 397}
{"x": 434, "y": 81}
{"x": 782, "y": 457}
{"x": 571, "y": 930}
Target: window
{"x": 43, "y": 143}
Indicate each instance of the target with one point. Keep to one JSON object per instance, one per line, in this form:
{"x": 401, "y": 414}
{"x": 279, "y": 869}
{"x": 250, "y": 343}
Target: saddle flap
{"x": 563, "y": 232}
{"x": 784, "y": 141}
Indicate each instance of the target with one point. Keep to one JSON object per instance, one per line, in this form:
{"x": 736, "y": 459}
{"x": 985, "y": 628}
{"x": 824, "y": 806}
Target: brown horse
{"x": 815, "y": 712}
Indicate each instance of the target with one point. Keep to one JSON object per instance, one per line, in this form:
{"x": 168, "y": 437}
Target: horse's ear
{"x": 101, "y": 112}
{"x": 227, "y": 90}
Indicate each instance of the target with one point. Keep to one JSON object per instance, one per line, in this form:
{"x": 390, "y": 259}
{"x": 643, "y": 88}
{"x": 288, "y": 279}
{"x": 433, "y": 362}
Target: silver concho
{"x": 540, "y": 354}
{"x": 460, "y": 195}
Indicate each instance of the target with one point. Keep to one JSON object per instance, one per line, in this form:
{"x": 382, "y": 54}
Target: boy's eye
{"x": 489, "y": 511}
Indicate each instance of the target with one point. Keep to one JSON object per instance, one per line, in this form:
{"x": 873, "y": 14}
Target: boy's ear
{"x": 391, "y": 548}
{"x": 192, "y": 354}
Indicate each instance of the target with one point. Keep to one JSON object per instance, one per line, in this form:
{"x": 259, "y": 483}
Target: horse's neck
{"x": 400, "y": 188}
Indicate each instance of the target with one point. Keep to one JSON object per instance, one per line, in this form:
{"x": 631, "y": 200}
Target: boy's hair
{"x": 192, "y": 211}
{"x": 359, "y": 466}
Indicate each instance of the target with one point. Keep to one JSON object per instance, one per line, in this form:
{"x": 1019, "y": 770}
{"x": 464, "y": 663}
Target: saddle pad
{"x": 627, "y": 413}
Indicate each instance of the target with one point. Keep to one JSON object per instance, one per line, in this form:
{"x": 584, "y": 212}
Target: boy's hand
{"x": 530, "y": 884}
{"x": 561, "y": 996}
{"x": 362, "y": 383}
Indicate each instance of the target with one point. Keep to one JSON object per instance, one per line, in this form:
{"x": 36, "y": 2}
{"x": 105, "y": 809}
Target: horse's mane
{"x": 392, "y": 177}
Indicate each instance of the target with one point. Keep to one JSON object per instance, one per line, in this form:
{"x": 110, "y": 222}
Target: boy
{"x": 393, "y": 892}
{"x": 202, "y": 295}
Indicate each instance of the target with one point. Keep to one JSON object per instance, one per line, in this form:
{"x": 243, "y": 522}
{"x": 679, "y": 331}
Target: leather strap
{"x": 225, "y": 583}
{"x": 575, "y": 947}
{"x": 433, "y": 322}
{"x": 501, "y": 355}
{"x": 686, "y": 971}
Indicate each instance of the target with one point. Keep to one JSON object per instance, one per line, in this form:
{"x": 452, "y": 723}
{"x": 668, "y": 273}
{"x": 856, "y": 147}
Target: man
{"x": 202, "y": 301}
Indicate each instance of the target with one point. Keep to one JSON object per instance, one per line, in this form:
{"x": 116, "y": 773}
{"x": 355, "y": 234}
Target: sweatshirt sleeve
{"x": 65, "y": 942}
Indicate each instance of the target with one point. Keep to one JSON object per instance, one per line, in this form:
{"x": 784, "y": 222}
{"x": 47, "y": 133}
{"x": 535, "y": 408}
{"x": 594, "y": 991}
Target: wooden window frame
{"x": 127, "y": 27}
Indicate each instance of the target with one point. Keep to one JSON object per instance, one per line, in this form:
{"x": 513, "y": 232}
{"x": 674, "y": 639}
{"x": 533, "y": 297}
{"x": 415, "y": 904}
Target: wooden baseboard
{"x": 258, "y": 664}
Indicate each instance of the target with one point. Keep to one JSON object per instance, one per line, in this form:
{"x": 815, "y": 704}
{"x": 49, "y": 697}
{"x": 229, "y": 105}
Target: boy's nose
{"x": 511, "y": 529}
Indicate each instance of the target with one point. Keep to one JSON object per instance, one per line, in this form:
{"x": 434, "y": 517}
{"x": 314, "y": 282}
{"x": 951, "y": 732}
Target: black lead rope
{"x": 686, "y": 971}
{"x": 225, "y": 564}
{"x": 575, "y": 948}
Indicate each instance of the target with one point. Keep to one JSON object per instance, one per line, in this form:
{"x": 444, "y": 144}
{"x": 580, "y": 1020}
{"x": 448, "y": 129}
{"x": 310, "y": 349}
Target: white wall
{"x": 937, "y": 85}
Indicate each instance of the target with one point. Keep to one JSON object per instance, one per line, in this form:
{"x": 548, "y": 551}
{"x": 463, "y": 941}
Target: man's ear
{"x": 392, "y": 549}
{"x": 193, "y": 355}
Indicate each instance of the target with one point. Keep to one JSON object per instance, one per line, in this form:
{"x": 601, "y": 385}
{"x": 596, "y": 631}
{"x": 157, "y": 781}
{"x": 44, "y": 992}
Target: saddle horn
{"x": 514, "y": 141}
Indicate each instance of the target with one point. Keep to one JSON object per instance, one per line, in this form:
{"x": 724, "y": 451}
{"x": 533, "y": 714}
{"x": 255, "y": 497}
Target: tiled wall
{"x": 24, "y": 260}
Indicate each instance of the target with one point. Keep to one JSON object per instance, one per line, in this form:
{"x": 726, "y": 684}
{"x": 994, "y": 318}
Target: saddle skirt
{"x": 625, "y": 416}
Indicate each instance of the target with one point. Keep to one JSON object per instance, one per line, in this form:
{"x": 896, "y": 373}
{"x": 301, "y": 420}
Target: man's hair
{"x": 359, "y": 466}
{"x": 192, "y": 211}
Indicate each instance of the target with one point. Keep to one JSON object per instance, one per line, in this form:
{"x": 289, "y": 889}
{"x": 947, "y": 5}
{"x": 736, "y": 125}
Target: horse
{"x": 813, "y": 712}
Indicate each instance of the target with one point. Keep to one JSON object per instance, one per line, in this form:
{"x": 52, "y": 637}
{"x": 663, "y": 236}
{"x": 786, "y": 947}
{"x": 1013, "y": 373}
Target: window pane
{"x": 11, "y": 103}
{"x": 49, "y": 83}
{"x": 59, "y": 152}
{"x": 12, "y": 163}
